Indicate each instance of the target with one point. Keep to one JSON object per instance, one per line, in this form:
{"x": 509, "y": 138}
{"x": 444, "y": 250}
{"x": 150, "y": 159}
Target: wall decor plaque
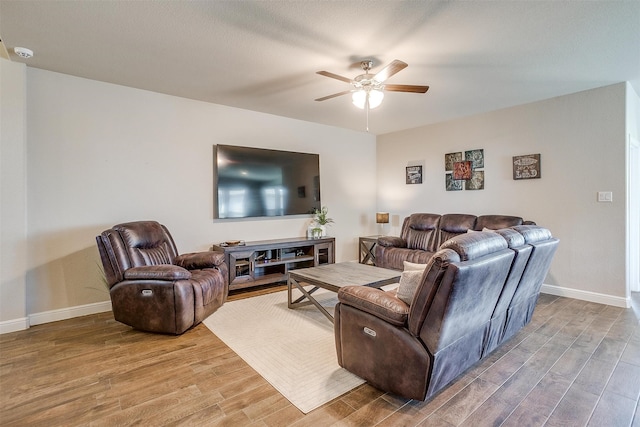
{"x": 476, "y": 157}
{"x": 414, "y": 174}
{"x": 526, "y": 167}
{"x": 450, "y": 159}
{"x": 452, "y": 184}
{"x": 462, "y": 170}
{"x": 476, "y": 182}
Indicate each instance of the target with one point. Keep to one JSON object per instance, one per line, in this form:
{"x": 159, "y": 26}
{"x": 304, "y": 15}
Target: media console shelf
{"x": 269, "y": 261}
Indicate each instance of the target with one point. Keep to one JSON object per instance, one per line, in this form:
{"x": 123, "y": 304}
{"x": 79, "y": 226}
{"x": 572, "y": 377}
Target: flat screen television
{"x": 256, "y": 182}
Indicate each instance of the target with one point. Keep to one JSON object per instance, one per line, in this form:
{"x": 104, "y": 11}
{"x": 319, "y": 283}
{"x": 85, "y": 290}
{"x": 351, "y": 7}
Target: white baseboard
{"x": 586, "y": 296}
{"x": 100, "y": 307}
{"x": 69, "y": 313}
{"x": 14, "y": 325}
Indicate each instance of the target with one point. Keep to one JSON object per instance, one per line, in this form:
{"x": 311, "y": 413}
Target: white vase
{"x": 316, "y": 231}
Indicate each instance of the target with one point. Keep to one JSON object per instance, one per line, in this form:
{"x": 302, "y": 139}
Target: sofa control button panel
{"x": 147, "y": 292}
{"x": 370, "y": 331}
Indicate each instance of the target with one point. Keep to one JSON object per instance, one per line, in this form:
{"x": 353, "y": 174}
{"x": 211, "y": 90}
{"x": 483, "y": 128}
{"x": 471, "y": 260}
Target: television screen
{"x": 256, "y": 182}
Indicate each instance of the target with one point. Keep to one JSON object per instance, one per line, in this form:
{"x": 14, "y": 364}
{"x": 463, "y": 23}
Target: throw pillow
{"x": 409, "y": 281}
{"x": 412, "y": 266}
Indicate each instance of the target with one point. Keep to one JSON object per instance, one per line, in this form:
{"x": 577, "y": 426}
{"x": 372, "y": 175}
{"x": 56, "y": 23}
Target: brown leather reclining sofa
{"x": 477, "y": 291}
{"x": 422, "y": 234}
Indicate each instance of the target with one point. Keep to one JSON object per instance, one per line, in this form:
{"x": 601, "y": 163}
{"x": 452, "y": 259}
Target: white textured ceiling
{"x": 263, "y": 55}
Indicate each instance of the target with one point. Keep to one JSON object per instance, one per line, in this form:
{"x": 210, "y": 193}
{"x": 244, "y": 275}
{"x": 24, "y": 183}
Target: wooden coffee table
{"x": 333, "y": 277}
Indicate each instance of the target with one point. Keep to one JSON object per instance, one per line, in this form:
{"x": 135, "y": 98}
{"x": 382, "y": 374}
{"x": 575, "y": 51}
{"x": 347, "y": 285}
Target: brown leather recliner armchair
{"x": 154, "y": 289}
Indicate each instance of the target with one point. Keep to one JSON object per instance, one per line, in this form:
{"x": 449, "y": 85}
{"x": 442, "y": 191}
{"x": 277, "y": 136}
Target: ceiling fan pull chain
{"x": 366, "y": 106}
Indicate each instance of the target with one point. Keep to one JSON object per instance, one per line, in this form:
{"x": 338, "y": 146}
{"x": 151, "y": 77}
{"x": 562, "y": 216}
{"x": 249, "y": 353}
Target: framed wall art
{"x": 463, "y": 170}
{"x": 526, "y": 167}
{"x": 452, "y": 184}
{"x": 476, "y": 182}
{"x": 476, "y": 157}
{"x": 414, "y": 174}
{"x": 450, "y": 159}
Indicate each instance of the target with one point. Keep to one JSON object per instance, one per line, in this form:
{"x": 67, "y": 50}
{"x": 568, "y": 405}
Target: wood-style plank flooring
{"x": 577, "y": 363}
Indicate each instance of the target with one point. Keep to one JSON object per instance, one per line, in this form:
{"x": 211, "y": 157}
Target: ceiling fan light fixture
{"x": 373, "y": 97}
{"x": 359, "y": 98}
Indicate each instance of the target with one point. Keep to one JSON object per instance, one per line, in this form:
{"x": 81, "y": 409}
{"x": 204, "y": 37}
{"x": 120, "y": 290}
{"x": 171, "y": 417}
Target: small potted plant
{"x": 321, "y": 220}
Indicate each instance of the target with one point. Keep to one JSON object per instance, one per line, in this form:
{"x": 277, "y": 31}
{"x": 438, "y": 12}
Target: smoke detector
{"x": 23, "y": 52}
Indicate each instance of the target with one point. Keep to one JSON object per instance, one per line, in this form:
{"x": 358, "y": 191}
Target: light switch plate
{"x": 605, "y": 196}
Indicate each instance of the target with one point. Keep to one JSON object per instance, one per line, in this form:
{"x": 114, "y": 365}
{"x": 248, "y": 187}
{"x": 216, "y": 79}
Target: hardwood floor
{"x": 577, "y": 363}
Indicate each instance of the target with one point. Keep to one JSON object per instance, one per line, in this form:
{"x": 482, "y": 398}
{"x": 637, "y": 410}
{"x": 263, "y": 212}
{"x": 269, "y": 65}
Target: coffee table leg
{"x": 305, "y": 294}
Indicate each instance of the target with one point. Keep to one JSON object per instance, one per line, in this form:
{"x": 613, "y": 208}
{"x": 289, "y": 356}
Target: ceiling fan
{"x": 368, "y": 88}
{"x": 367, "y": 92}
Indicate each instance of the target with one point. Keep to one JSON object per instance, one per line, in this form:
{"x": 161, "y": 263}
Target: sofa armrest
{"x": 392, "y": 241}
{"x": 157, "y": 272}
{"x": 376, "y": 302}
{"x": 198, "y": 260}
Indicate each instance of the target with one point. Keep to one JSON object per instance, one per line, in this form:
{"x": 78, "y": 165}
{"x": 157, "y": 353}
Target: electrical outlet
{"x": 605, "y": 196}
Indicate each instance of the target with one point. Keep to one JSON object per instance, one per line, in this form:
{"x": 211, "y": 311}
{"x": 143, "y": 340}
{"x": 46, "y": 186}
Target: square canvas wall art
{"x": 414, "y": 174}
{"x": 450, "y": 159}
{"x": 463, "y": 170}
{"x": 452, "y": 184}
{"x": 476, "y": 157}
{"x": 526, "y": 167}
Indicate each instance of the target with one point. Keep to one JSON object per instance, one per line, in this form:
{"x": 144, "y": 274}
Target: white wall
{"x": 13, "y": 229}
{"x": 97, "y": 154}
{"x": 581, "y": 139}
{"x": 100, "y": 154}
{"x": 633, "y": 188}
{"x": 633, "y": 111}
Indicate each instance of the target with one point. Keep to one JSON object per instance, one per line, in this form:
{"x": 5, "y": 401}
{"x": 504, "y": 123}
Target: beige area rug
{"x": 294, "y": 350}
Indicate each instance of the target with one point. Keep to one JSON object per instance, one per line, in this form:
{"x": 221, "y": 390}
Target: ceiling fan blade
{"x": 406, "y": 88}
{"x": 324, "y": 98}
{"x": 388, "y": 71}
{"x": 334, "y": 76}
